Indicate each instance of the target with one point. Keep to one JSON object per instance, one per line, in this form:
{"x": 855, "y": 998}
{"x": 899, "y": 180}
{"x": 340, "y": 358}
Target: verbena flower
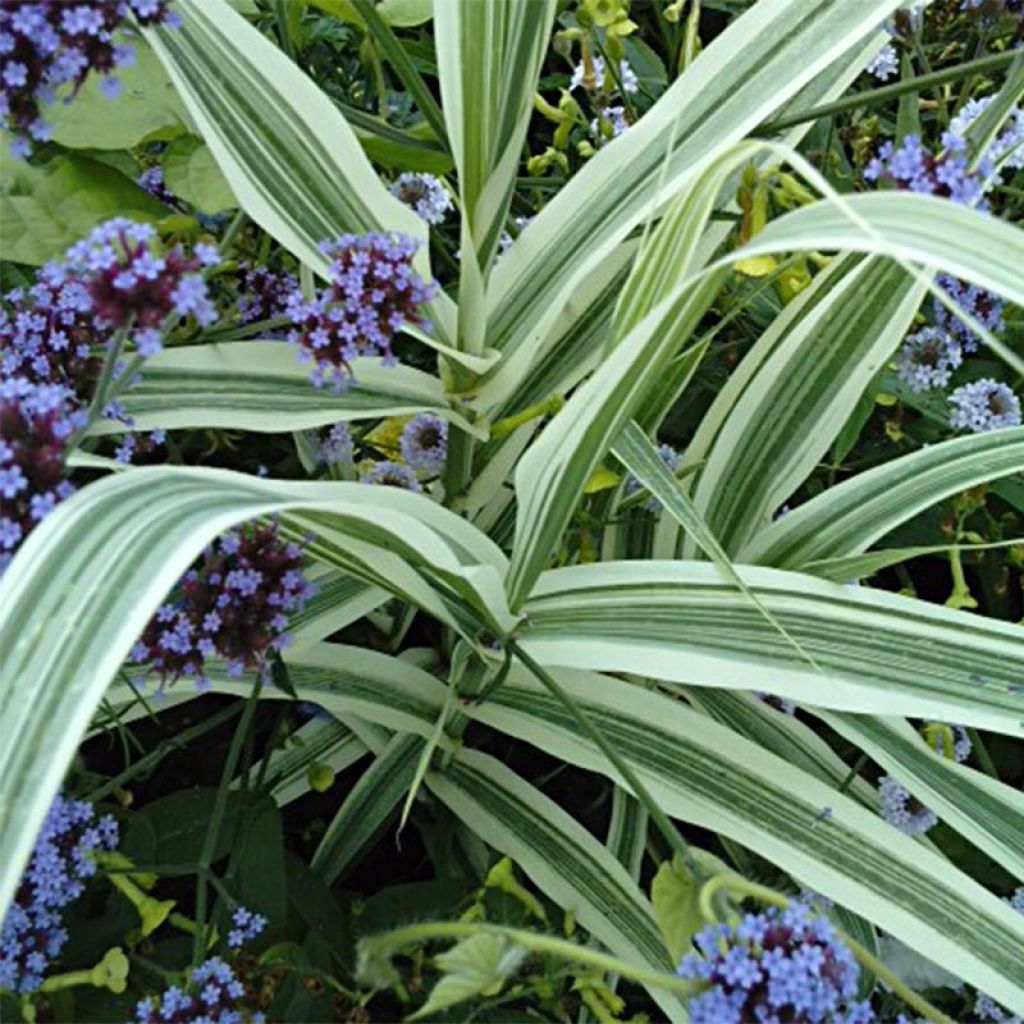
{"x": 984, "y": 306}
{"x": 984, "y": 405}
{"x": 902, "y": 810}
{"x": 47, "y": 43}
{"x": 912, "y": 167}
{"x": 212, "y": 995}
{"x": 884, "y": 64}
{"x": 1006, "y": 150}
{"x": 134, "y": 445}
{"x": 32, "y": 934}
{"x": 781, "y": 964}
{"x": 132, "y": 284}
{"x": 390, "y": 474}
{"x": 927, "y": 358}
{"x": 36, "y": 421}
{"x": 48, "y": 333}
{"x": 264, "y": 294}
{"x": 337, "y": 447}
{"x": 373, "y": 293}
{"x": 234, "y": 605}
{"x": 672, "y": 459}
{"x": 151, "y": 180}
{"x": 424, "y": 194}
{"x": 245, "y": 927}
{"x": 424, "y": 443}
{"x": 627, "y": 76}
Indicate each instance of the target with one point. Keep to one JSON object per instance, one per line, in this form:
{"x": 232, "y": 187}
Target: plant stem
{"x": 658, "y": 816}
{"x": 888, "y": 92}
{"x": 217, "y": 818}
{"x": 984, "y": 757}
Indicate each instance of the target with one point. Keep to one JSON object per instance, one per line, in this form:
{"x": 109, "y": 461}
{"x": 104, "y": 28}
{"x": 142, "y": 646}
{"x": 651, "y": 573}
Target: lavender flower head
{"x": 424, "y": 443}
{"x": 927, "y": 359}
{"x": 672, "y": 459}
{"x": 1006, "y": 150}
{"x": 337, "y": 447}
{"x": 32, "y": 933}
{"x": 47, "y": 43}
{"x": 212, "y": 995}
{"x": 373, "y": 293}
{"x": 36, "y": 421}
{"x": 151, "y": 180}
{"x": 912, "y": 167}
{"x": 627, "y": 76}
{"x": 776, "y": 965}
{"x": 984, "y": 405}
{"x": 264, "y": 294}
{"x": 131, "y": 284}
{"x": 245, "y": 927}
{"x": 234, "y": 605}
{"x": 884, "y": 64}
{"x": 390, "y": 474}
{"x": 984, "y": 306}
{"x": 424, "y": 194}
{"x": 903, "y": 811}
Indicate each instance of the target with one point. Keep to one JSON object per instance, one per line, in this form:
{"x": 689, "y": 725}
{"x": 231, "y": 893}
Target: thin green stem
{"x": 232, "y": 232}
{"x": 217, "y": 819}
{"x": 852, "y": 774}
{"x": 887, "y": 92}
{"x": 658, "y": 816}
{"x": 984, "y": 757}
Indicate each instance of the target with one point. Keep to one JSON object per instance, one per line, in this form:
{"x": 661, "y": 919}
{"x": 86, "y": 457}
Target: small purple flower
{"x": 337, "y": 447}
{"x": 424, "y": 195}
{"x": 928, "y": 358}
{"x": 390, "y": 474}
{"x": 246, "y": 927}
{"x": 903, "y": 811}
{"x": 424, "y": 443}
{"x": 984, "y": 405}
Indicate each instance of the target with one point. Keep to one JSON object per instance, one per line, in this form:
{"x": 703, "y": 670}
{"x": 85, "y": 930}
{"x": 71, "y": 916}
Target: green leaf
{"x": 874, "y": 652}
{"x": 259, "y": 864}
{"x": 191, "y": 173}
{"x": 406, "y": 13}
{"x": 475, "y": 966}
{"x": 675, "y": 899}
{"x": 68, "y": 198}
{"x": 848, "y": 518}
{"x": 147, "y": 108}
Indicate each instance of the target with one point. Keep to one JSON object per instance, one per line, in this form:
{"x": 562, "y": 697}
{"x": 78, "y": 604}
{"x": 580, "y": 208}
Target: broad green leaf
{"x": 85, "y": 583}
{"x": 146, "y": 109}
{"x": 406, "y": 13}
{"x": 675, "y": 898}
{"x": 289, "y": 156}
{"x": 806, "y": 375}
{"x": 57, "y": 205}
{"x": 703, "y": 773}
{"x": 761, "y": 61}
{"x": 191, "y": 173}
{"x": 261, "y": 386}
{"x": 560, "y": 856}
{"x": 847, "y": 519}
{"x": 874, "y": 652}
{"x": 369, "y": 803}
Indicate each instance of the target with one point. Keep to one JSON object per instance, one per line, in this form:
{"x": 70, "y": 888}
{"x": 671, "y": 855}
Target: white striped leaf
{"x": 847, "y": 519}
{"x": 85, "y": 583}
{"x": 761, "y": 61}
{"x": 979, "y": 807}
{"x": 260, "y": 386}
{"x": 289, "y": 155}
{"x": 873, "y": 651}
{"x": 807, "y": 373}
{"x": 560, "y": 856}
{"x": 704, "y": 773}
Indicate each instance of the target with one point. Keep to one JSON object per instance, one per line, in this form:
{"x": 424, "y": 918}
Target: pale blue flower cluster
{"x": 928, "y": 358}
{"x": 424, "y": 443}
{"x": 390, "y": 474}
{"x": 337, "y": 448}
{"x": 778, "y": 965}
{"x": 245, "y": 927}
{"x": 884, "y": 64}
{"x": 983, "y": 405}
{"x": 213, "y": 995}
{"x": 424, "y": 194}
{"x": 32, "y": 934}
{"x": 627, "y": 77}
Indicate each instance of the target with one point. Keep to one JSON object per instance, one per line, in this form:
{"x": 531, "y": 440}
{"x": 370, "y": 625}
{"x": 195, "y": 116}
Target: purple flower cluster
{"x": 984, "y": 405}
{"x": 213, "y": 995}
{"x": 264, "y": 294}
{"x": 47, "y": 43}
{"x": 35, "y": 422}
{"x": 233, "y": 605}
{"x": 424, "y": 443}
{"x": 777, "y": 965}
{"x": 32, "y": 933}
{"x": 928, "y": 358}
{"x": 672, "y": 459}
{"x": 245, "y": 927}
{"x": 337, "y": 448}
{"x": 132, "y": 284}
{"x": 390, "y": 474}
{"x": 912, "y": 167}
{"x": 373, "y": 292}
{"x": 424, "y": 194}
{"x": 984, "y": 306}
{"x": 151, "y": 180}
